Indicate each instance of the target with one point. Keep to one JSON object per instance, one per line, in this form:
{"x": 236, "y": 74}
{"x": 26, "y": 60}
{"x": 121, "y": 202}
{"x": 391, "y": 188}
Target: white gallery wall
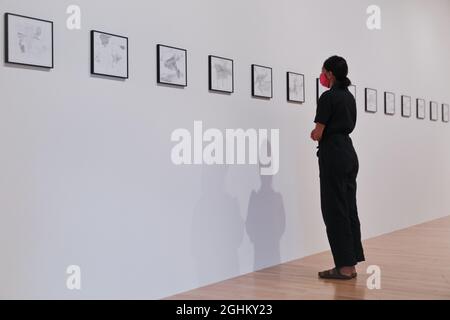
{"x": 85, "y": 171}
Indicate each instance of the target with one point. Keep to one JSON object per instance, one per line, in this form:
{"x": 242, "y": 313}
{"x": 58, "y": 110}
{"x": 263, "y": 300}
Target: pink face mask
{"x": 324, "y": 80}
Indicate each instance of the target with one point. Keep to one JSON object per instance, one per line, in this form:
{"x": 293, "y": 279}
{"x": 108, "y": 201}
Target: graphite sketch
{"x": 28, "y": 41}
{"x": 420, "y": 106}
{"x": 434, "y": 113}
{"x": 371, "y": 103}
{"x": 406, "y": 106}
{"x": 445, "y": 113}
{"x": 262, "y": 81}
{"x": 389, "y": 103}
{"x": 221, "y": 74}
{"x": 109, "y": 55}
{"x": 172, "y": 65}
{"x": 295, "y": 87}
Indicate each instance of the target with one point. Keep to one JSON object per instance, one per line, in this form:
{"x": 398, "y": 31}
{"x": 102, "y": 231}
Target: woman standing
{"x": 338, "y": 164}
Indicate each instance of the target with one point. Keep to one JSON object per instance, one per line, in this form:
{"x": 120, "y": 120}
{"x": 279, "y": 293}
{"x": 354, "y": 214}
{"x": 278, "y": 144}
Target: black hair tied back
{"x": 338, "y": 66}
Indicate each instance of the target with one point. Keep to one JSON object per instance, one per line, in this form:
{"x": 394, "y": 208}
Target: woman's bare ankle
{"x": 347, "y": 270}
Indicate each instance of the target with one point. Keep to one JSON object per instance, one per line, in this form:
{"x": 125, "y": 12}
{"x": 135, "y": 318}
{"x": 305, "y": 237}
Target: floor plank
{"x": 414, "y": 262}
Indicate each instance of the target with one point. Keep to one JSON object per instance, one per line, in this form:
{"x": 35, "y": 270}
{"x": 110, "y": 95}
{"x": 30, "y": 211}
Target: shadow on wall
{"x": 266, "y": 221}
{"x": 217, "y": 228}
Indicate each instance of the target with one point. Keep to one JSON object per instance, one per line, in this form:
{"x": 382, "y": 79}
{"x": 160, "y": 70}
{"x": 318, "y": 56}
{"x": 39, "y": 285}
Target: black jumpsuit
{"x": 338, "y": 165}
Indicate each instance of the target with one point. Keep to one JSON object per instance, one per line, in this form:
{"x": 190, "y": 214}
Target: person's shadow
{"x": 266, "y": 221}
{"x": 217, "y": 229}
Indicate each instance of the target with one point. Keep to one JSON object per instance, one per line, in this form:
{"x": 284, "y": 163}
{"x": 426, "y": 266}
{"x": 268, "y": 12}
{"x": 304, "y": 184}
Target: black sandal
{"x": 335, "y": 274}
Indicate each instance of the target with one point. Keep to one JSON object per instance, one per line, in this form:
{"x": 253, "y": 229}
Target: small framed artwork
{"x": 109, "y": 55}
{"x": 389, "y": 103}
{"x": 420, "y": 106}
{"x": 445, "y": 113}
{"x": 221, "y": 74}
{"x": 320, "y": 89}
{"x": 295, "y": 87}
{"x": 28, "y": 41}
{"x": 434, "y": 116}
{"x": 406, "y": 106}
{"x": 371, "y": 103}
{"x": 352, "y": 89}
{"x": 172, "y": 65}
{"x": 262, "y": 81}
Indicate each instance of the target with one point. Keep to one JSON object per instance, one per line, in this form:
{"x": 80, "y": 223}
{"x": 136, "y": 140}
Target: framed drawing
{"x": 352, "y": 89}
{"x": 420, "y": 106}
{"x": 406, "y": 106}
{"x": 320, "y": 89}
{"x": 445, "y": 112}
{"x": 109, "y": 55}
{"x": 295, "y": 87}
{"x": 262, "y": 81}
{"x": 172, "y": 65}
{"x": 389, "y": 103}
{"x": 28, "y": 41}
{"x": 371, "y": 104}
{"x": 434, "y": 113}
{"x": 221, "y": 74}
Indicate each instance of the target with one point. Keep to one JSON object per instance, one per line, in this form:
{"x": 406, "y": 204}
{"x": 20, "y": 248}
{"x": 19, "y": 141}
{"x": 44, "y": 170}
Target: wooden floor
{"x": 414, "y": 262}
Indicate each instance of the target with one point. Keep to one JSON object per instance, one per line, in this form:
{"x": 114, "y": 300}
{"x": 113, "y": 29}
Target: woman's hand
{"x": 317, "y": 133}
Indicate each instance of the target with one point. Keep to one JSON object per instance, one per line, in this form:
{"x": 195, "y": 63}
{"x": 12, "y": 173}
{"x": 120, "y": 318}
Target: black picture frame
{"x": 210, "y": 82}
{"x": 253, "y": 81}
{"x": 159, "y": 80}
{"x": 434, "y": 108}
{"x": 366, "y": 102}
{"x": 420, "y": 102}
{"x": 8, "y": 59}
{"x": 445, "y": 112}
{"x": 386, "y": 111}
{"x": 405, "y": 98}
{"x": 288, "y": 95}
{"x": 93, "y": 56}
